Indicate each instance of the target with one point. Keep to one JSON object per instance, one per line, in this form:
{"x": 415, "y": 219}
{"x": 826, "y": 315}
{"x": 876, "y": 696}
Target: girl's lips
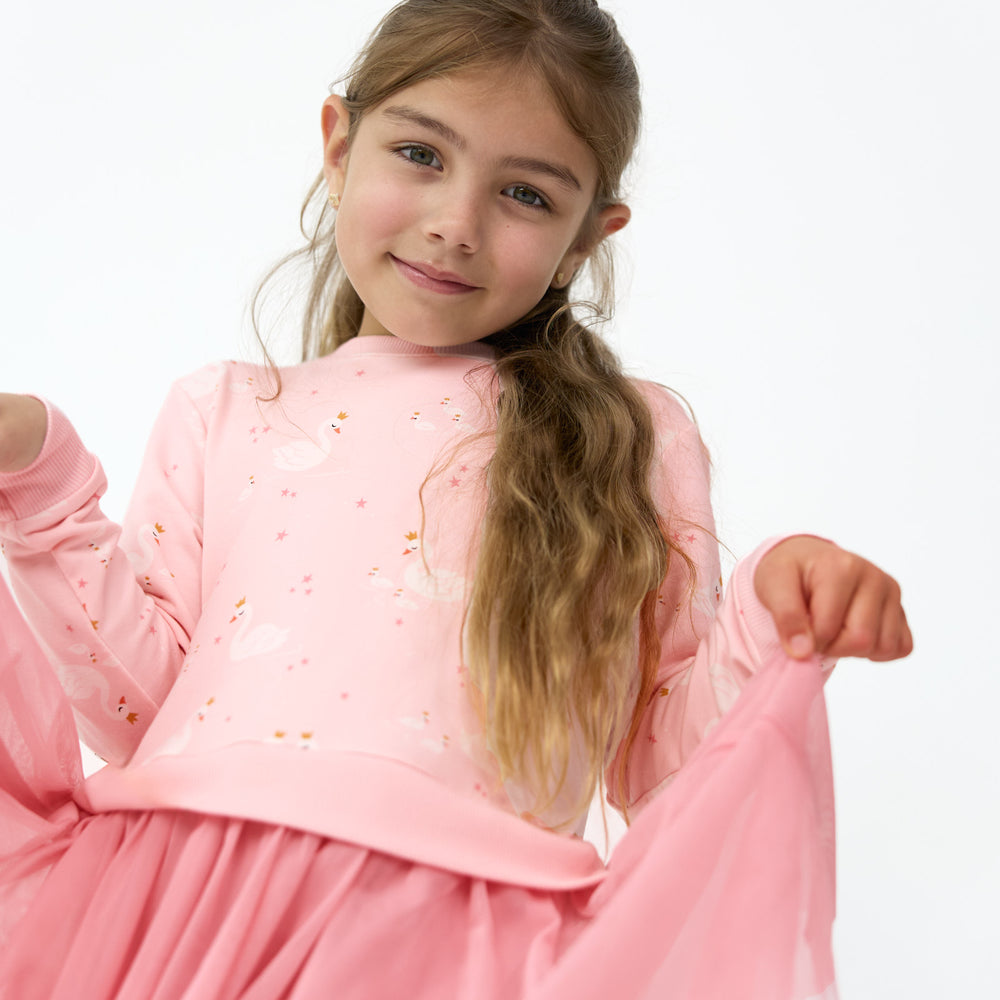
{"x": 425, "y": 276}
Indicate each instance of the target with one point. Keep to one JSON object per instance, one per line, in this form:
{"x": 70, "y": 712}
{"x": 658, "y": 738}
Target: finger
{"x": 780, "y": 590}
{"x": 865, "y": 620}
{"x": 896, "y": 640}
{"x": 832, "y": 585}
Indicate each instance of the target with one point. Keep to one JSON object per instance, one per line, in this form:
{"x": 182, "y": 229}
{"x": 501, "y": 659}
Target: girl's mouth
{"x": 429, "y": 277}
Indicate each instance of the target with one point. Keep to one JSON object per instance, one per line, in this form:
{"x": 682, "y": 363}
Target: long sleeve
{"x": 711, "y": 643}
{"x": 114, "y": 606}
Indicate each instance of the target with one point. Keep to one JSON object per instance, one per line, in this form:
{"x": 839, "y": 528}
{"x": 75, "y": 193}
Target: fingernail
{"x": 800, "y": 646}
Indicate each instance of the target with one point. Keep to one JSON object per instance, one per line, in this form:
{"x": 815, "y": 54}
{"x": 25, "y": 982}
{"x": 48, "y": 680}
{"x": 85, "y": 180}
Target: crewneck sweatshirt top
{"x": 275, "y": 632}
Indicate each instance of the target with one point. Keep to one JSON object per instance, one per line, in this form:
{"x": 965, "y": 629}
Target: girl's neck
{"x": 386, "y": 343}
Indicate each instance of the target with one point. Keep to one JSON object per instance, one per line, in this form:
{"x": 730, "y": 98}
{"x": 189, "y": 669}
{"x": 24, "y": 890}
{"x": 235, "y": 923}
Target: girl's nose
{"x": 455, "y": 219}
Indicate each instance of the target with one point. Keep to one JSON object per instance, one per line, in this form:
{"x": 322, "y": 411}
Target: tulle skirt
{"x": 723, "y": 888}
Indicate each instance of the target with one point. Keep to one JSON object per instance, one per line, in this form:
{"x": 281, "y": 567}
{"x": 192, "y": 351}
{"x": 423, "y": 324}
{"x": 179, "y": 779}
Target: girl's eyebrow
{"x": 405, "y": 113}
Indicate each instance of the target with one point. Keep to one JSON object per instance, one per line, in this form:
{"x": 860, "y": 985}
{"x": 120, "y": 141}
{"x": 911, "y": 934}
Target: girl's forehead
{"x": 478, "y": 88}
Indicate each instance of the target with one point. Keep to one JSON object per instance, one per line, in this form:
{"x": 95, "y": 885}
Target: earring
{"x": 335, "y": 200}
{"x": 559, "y": 279}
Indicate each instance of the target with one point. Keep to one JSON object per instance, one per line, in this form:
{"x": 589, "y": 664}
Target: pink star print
{"x": 360, "y": 503}
{"x": 652, "y": 738}
{"x": 281, "y": 536}
{"x": 308, "y": 578}
{"x": 81, "y": 583}
{"x": 285, "y": 493}
{"x": 463, "y": 468}
{"x": 455, "y": 481}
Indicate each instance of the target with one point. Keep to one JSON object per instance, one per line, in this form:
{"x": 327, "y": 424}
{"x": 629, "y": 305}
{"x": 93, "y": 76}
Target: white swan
{"x": 420, "y": 423}
{"x": 247, "y": 642}
{"x": 451, "y": 412}
{"x": 307, "y": 454}
{"x": 205, "y": 382}
{"x": 401, "y": 600}
{"x": 178, "y": 741}
{"x": 437, "y": 746}
{"x": 148, "y": 536}
{"x": 416, "y": 722}
{"x": 80, "y": 681}
{"x": 247, "y": 490}
{"x": 243, "y": 385}
{"x": 376, "y": 579}
{"x": 436, "y": 584}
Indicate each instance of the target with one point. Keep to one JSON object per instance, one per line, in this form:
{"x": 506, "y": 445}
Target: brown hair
{"x": 572, "y": 550}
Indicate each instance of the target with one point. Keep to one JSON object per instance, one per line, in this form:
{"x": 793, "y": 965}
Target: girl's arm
{"x": 114, "y": 607}
{"x": 713, "y": 643}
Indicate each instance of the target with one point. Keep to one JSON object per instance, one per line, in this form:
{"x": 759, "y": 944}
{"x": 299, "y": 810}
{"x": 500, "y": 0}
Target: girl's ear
{"x": 334, "y": 121}
{"x": 609, "y": 220}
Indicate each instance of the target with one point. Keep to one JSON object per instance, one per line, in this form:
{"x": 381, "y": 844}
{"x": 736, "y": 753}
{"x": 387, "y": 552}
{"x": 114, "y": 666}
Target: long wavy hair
{"x": 572, "y": 549}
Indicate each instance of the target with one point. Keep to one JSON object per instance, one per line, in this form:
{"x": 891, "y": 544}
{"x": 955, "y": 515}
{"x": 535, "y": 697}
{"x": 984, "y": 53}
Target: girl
{"x": 377, "y": 625}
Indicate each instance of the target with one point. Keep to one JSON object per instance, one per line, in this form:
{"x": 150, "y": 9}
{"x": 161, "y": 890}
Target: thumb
{"x": 780, "y": 588}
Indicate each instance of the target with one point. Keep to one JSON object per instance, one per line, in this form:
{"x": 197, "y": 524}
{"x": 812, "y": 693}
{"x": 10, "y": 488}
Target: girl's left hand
{"x": 829, "y": 601}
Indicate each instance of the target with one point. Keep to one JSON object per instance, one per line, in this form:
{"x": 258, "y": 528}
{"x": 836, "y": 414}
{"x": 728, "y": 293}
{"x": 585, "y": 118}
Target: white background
{"x": 813, "y": 262}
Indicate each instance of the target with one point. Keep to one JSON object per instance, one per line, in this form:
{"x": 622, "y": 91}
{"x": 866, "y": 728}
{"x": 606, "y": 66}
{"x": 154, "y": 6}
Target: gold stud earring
{"x": 559, "y": 279}
{"x": 335, "y": 200}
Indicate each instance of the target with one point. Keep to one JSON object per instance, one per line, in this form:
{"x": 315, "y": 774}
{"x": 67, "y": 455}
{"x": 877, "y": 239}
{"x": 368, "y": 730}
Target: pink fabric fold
{"x": 722, "y": 888}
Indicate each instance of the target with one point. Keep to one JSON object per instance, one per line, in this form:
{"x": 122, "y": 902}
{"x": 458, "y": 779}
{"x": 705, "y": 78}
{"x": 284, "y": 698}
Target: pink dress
{"x": 212, "y": 859}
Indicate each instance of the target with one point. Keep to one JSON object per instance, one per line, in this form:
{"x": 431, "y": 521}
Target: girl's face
{"x": 462, "y": 200}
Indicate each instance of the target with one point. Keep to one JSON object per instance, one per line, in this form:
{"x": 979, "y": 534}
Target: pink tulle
{"x": 723, "y": 887}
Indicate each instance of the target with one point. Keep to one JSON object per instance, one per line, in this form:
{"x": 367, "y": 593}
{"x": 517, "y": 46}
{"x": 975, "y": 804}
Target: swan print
{"x": 299, "y": 455}
{"x": 149, "y": 540}
{"x": 376, "y": 579}
{"x": 247, "y": 491}
{"x": 81, "y": 681}
{"x": 420, "y": 423}
{"x": 253, "y": 641}
{"x": 179, "y": 741}
{"x": 420, "y": 724}
{"x": 435, "y": 584}
{"x": 453, "y": 414}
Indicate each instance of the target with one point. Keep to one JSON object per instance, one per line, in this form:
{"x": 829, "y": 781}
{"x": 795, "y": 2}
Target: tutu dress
{"x": 299, "y": 802}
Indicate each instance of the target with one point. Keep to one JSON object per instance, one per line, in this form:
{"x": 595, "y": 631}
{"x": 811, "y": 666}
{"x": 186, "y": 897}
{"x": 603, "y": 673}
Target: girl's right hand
{"x": 23, "y": 423}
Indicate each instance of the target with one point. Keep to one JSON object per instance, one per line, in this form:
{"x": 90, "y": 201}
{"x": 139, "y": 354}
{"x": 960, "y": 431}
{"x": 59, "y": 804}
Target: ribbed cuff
{"x": 63, "y": 466}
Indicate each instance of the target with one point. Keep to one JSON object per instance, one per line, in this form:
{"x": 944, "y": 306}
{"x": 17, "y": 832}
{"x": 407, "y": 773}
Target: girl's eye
{"x": 526, "y": 196}
{"x": 420, "y": 155}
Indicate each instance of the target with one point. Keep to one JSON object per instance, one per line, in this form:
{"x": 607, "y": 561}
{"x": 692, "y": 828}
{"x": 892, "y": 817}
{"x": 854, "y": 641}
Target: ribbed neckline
{"x": 374, "y": 345}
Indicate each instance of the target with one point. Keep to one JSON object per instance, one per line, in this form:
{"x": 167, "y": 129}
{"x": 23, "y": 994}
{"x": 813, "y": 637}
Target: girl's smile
{"x": 462, "y": 199}
{"x": 425, "y": 275}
